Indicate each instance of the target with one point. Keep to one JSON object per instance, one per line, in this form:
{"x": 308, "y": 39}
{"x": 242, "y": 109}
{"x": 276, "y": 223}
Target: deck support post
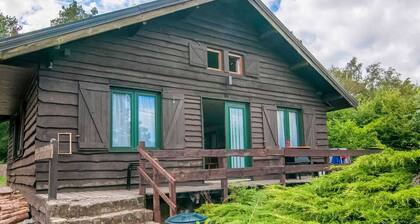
{"x": 53, "y": 172}
{"x": 283, "y": 170}
{"x": 156, "y": 199}
{"x": 172, "y": 196}
{"x": 224, "y": 181}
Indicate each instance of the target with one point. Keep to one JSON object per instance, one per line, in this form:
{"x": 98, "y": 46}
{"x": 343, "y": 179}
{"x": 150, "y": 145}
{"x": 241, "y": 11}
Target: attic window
{"x": 235, "y": 64}
{"x": 214, "y": 59}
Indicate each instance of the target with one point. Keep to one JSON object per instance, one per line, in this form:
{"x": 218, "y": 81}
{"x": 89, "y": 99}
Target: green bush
{"x": 375, "y": 189}
{"x": 389, "y": 118}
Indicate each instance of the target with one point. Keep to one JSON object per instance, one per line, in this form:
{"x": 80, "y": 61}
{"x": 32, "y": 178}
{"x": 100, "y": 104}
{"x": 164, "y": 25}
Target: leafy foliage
{"x": 388, "y": 112}
{"x": 9, "y": 26}
{"x": 4, "y": 137}
{"x": 73, "y": 12}
{"x": 375, "y": 189}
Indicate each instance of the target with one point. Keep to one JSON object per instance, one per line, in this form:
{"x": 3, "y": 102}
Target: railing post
{"x": 283, "y": 170}
{"x": 142, "y": 186}
{"x": 327, "y": 162}
{"x": 52, "y": 172}
{"x": 156, "y": 199}
{"x": 172, "y": 196}
{"x": 224, "y": 181}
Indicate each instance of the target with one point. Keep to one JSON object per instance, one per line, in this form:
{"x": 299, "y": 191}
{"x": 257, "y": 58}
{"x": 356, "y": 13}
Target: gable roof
{"x": 57, "y": 35}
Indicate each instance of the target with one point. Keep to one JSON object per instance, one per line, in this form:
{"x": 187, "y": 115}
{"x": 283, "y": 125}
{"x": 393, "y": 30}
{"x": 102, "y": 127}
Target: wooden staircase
{"x": 97, "y": 207}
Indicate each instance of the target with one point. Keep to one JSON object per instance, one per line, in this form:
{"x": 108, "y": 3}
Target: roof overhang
{"x": 58, "y": 35}
{"x": 13, "y": 82}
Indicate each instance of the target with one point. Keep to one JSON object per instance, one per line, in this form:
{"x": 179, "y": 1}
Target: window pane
{"x": 147, "y": 120}
{"x": 213, "y": 59}
{"x": 281, "y": 130}
{"x": 235, "y": 63}
{"x": 121, "y": 120}
{"x": 294, "y": 134}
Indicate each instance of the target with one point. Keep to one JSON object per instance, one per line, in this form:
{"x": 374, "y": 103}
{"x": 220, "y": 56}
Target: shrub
{"x": 375, "y": 189}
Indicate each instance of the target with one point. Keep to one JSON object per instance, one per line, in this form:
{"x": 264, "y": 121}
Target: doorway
{"x": 226, "y": 126}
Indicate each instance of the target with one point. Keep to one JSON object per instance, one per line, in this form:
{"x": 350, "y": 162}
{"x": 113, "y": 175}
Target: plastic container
{"x": 186, "y": 218}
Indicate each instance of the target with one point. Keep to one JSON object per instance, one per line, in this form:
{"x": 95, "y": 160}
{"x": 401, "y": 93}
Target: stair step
{"x": 93, "y": 207}
{"x": 126, "y": 217}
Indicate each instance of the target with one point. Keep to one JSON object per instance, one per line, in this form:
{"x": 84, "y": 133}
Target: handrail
{"x": 157, "y": 192}
{"x": 223, "y": 172}
{"x": 156, "y": 165}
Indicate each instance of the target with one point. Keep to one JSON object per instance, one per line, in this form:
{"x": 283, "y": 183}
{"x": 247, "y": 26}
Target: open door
{"x": 237, "y": 132}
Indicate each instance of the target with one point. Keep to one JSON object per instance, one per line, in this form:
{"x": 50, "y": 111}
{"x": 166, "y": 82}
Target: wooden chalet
{"x": 214, "y": 88}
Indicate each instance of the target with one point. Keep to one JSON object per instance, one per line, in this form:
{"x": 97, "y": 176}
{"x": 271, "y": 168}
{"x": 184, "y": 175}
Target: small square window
{"x": 214, "y": 59}
{"x": 235, "y": 64}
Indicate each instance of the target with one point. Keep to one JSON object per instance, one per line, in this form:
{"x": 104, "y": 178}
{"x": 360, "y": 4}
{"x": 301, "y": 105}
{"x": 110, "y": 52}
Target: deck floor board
{"x": 207, "y": 186}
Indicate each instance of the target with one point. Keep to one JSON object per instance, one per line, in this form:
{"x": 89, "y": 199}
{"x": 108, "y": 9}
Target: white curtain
{"x": 237, "y": 135}
{"x": 281, "y": 130}
{"x": 147, "y": 120}
{"x": 121, "y": 120}
{"x": 293, "y": 129}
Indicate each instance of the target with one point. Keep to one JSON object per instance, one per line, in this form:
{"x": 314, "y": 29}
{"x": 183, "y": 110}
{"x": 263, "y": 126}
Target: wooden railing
{"x": 223, "y": 173}
{"x": 154, "y": 182}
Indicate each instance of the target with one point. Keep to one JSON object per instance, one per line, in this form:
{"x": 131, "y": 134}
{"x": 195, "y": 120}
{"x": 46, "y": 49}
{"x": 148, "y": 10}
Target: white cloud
{"x": 32, "y": 14}
{"x": 374, "y": 31}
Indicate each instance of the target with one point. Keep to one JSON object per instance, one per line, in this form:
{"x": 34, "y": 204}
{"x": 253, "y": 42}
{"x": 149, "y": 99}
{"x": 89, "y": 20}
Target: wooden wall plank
{"x": 157, "y": 58}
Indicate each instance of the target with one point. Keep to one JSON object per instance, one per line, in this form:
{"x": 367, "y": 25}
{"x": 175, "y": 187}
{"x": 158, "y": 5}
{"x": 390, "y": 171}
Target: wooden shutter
{"x": 198, "y": 55}
{"x": 93, "y": 116}
{"x": 270, "y": 126}
{"x": 252, "y": 65}
{"x": 173, "y": 120}
{"x": 309, "y": 127}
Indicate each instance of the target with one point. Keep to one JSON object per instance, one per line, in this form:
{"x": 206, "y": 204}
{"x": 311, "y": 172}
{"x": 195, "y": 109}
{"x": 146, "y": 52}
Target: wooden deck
{"x": 216, "y": 185}
{"x": 120, "y": 194}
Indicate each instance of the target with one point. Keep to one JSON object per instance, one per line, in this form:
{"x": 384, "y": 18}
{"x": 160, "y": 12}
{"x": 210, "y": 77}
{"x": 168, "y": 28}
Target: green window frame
{"x": 286, "y": 125}
{"x": 134, "y": 122}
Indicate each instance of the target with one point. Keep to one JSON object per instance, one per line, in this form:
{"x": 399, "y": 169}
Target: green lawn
{"x": 2, "y": 181}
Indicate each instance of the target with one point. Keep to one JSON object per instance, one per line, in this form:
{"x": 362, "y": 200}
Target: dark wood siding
{"x": 157, "y": 58}
{"x": 21, "y": 169}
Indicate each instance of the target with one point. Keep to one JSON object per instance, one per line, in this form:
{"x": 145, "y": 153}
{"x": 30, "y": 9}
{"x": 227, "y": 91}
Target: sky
{"x": 333, "y": 31}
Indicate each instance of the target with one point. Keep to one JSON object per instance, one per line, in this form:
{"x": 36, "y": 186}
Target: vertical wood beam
{"x": 172, "y": 196}
{"x": 283, "y": 170}
{"x": 53, "y": 172}
{"x": 224, "y": 181}
{"x": 156, "y": 199}
{"x": 142, "y": 166}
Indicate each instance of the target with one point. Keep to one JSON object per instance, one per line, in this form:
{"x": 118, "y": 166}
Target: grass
{"x": 2, "y": 181}
{"x": 375, "y": 189}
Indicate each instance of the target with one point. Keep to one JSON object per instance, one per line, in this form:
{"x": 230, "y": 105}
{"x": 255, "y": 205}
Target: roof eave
{"x": 7, "y": 52}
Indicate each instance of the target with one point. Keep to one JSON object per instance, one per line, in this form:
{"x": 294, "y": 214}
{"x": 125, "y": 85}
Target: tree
{"x": 4, "y": 138}
{"x": 350, "y": 77}
{"x": 9, "y": 26}
{"x": 388, "y": 112}
{"x": 73, "y": 12}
